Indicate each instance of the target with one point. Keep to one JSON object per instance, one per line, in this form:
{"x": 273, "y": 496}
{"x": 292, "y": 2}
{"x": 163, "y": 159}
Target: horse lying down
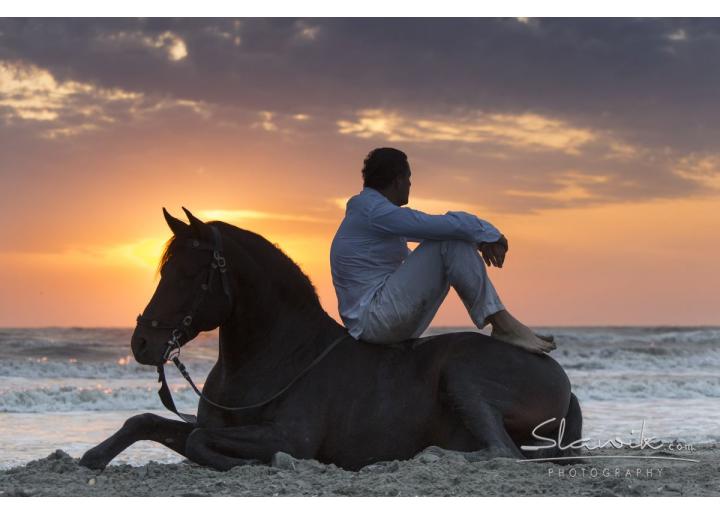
{"x": 289, "y": 379}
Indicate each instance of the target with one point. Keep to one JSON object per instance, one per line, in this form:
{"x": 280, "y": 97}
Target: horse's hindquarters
{"x": 525, "y": 389}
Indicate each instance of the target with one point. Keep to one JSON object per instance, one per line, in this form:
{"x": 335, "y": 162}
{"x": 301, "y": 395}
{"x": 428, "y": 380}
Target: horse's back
{"x": 487, "y": 355}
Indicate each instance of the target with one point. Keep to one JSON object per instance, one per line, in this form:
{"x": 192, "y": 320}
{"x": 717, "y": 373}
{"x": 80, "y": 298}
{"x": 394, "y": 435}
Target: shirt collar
{"x": 370, "y": 191}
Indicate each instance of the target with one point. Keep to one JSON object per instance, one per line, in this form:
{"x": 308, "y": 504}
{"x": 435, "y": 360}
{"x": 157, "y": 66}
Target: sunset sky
{"x": 592, "y": 144}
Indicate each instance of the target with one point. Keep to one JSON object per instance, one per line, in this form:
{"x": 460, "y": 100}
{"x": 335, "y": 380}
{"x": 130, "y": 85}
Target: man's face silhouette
{"x": 403, "y": 185}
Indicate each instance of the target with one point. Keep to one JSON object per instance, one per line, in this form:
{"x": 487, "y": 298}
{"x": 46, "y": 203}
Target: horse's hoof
{"x": 91, "y": 461}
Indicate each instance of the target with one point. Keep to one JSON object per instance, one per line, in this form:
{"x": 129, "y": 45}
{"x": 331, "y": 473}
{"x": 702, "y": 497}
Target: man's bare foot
{"x": 508, "y": 329}
{"x": 527, "y": 341}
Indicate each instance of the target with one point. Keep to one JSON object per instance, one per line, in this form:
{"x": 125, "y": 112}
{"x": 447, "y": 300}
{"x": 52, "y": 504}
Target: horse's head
{"x": 194, "y": 293}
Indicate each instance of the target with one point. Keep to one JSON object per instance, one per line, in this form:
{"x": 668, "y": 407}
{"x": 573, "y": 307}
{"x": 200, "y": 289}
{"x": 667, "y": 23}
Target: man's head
{"x": 387, "y": 170}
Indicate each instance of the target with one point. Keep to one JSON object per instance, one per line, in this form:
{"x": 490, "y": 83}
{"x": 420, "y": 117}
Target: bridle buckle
{"x": 219, "y": 259}
{"x": 173, "y": 346}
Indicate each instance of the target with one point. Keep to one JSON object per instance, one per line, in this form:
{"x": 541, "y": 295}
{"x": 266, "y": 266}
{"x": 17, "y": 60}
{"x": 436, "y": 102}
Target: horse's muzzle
{"x": 144, "y": 351}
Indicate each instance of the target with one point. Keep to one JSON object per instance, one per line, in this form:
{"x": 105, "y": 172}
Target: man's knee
{"x": 455, "y": 247}
{"x": 448, "y": 245}
{"x": 450, "y": 250}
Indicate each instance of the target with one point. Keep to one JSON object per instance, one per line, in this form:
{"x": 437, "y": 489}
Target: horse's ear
{"x": 197, "y": 225}
{"x": 177, "y": 226}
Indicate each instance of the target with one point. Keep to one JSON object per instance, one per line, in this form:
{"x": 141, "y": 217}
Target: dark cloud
{"x": 649, "y": 84}
{"x": 609, "y": 72}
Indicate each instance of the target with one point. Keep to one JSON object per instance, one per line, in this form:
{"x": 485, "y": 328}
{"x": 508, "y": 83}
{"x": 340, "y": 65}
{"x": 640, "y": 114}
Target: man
{"x": 387, "y": 293}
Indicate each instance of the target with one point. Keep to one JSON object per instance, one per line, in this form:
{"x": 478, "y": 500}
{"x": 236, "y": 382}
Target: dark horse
{"x": 359, "y": 404}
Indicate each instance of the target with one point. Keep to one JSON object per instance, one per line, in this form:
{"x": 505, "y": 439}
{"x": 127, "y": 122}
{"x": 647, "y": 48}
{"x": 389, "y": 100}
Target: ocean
{"x": 70, "y": 388}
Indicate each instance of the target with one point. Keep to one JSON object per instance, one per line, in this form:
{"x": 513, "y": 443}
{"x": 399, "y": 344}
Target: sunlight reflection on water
{"x": 26, "y": 437}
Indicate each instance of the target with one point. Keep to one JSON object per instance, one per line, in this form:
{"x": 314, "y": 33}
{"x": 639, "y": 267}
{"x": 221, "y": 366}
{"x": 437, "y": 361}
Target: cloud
{"x": 604, "y": 74}
{"x": 701, "y": 169}
{"x": 307, "y": 31}
{"x": 572, "y": 186}
{"x": 30, "y": 94}
{"x": 678, "y": 35}
{"x": 270, "y": 121}
{"x": 169, "y": 44}
{"x": 530, "y": 131}
{"x": 506, "y": 106}
{"x": 266, "y": 121}
{"x": 620, "y": 150}
{"x": 231, "y": 216}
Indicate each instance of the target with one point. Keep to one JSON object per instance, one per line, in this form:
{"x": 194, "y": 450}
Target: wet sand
{"x": 434, "y": 472}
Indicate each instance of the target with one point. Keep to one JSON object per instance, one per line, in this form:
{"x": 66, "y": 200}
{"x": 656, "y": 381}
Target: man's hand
{"x": 494, "y": 253}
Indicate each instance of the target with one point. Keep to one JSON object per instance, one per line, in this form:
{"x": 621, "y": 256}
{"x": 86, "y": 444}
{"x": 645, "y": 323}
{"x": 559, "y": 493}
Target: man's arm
{"x": 417, "y": 225}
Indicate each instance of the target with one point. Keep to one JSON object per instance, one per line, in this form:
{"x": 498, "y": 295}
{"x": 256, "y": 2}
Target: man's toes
{"x": 546, "y": 337}
{"x": 549, "y": 347}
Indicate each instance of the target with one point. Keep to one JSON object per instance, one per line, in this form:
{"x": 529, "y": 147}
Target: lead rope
{"x": 166, "y": 395}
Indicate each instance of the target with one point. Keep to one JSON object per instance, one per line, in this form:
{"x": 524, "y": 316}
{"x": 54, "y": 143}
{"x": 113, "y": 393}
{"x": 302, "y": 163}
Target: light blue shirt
{"x": 371, "y": 244}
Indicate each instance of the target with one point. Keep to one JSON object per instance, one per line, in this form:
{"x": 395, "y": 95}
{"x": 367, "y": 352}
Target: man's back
{"x": 363, "y": 255}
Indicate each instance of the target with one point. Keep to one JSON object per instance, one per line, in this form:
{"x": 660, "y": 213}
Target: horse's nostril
{"x": 138, "y": 345}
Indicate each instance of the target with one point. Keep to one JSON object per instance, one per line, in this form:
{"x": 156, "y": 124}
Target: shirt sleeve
{"x": 417, "y": 225}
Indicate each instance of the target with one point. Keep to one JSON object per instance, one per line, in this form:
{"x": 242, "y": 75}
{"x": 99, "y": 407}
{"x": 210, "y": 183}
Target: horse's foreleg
{"x": 143, "y": 427}
{"x": 224, "y": 448}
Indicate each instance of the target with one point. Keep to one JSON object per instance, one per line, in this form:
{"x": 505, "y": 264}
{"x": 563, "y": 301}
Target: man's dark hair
{"x": 382, "y": 166}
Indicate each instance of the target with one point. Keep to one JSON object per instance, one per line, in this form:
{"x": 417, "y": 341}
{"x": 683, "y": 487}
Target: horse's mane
{"x": 281, "y": 271}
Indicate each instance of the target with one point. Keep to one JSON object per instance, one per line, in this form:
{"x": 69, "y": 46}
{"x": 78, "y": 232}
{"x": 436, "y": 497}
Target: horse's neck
{"x": 269, "y": 330}
{"x": 287, "y": 341}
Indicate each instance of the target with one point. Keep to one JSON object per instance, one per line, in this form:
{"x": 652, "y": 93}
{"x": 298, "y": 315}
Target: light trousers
{"x": 408, "y": 301}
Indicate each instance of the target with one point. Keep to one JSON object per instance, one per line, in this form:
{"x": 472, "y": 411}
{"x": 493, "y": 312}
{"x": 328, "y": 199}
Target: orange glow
{"x": 652, "y": 263}
{"x": 266, "y": 125}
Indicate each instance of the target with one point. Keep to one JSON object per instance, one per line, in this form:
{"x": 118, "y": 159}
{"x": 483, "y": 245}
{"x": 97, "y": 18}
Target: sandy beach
{"x": 434, "y": 472}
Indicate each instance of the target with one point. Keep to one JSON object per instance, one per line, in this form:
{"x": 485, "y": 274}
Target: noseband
{"x": 183, "y": 332}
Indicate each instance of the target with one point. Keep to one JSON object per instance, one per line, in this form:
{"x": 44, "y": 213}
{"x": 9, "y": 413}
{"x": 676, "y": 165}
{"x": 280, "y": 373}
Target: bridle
{"x": 184, "y": 331}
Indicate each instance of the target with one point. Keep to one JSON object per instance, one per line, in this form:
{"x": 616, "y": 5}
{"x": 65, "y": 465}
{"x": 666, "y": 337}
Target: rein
{"x": 183, "y": 332}
{"x": 166, "y": 395}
